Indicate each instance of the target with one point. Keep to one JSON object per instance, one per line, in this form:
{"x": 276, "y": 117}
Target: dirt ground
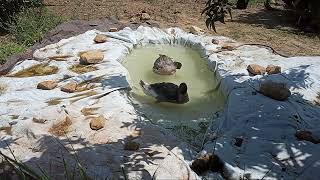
{"x": 255, "y": 24}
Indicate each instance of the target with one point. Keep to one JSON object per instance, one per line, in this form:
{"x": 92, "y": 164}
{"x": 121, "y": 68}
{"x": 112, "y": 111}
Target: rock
{"x": 272, "y": 69}
{"x": 131, "y": 146}
{"x": 145, "y": 17}
{"x": 39, "y": 120}
{"x": 228, "y": 47}
{"x": 207, "y": 162}
{"x": 256, "y": 69}
{"x": 196, "y": 30}
{"x": 307, "y": 136}
{"x": 69, "y": 88}
{"x": 47, "y": 85}
{"x": 97, "y": 123}
{"x": 100, "y": 38}
{"x": 277, "y": 91}
{"x": 91, "y": 57}
{"x": 113, "y": 29}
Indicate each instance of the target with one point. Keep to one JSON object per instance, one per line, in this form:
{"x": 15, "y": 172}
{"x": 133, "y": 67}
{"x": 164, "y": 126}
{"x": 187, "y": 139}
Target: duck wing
{"x": 160, "y": 91}
{"x": 165, "y": 91}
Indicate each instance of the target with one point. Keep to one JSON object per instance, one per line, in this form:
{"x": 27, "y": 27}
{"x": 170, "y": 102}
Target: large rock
{"x": 145, "y": 17}
{"x": 91, "y": 57}
{"x": 256, "y": 69}
{"x": 277, "y": 91}
{"x": 196, "y": 30}
{"x": 70, "y": 87}
{"x": 97, "y": 123}
{"x": 47, "y": 85}
{"x": 100, "y": 38}
{"x": 272, "y": 69}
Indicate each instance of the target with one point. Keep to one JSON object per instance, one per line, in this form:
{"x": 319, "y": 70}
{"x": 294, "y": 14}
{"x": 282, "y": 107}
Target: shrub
{"x": 9, "y": 48}
{"x": 8, "y": 8}
{"x": 29, "y": 25}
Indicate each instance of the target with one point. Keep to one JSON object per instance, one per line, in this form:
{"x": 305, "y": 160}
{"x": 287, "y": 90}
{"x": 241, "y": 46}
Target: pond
{"x": 205, "y": 98}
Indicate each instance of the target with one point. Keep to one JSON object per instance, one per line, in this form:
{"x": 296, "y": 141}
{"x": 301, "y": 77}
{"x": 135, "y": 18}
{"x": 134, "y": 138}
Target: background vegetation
{"x": 25, "y": 22}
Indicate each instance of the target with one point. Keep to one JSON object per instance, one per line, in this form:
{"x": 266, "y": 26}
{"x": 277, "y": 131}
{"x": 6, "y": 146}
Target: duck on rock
{"x": 164, "y": 65}
{"x": 166, "y": 92}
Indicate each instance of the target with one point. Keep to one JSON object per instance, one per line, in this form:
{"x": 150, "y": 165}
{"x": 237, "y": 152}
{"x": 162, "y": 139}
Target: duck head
{"x": 182, "y": 93}
{"x": 177, "y": 64}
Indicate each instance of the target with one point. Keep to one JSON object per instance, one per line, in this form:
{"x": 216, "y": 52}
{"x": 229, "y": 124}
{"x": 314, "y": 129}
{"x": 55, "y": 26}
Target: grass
{"x": 30, "y": 25}
{"x": 27, "y": 27}
{"x": 9, "y": 48}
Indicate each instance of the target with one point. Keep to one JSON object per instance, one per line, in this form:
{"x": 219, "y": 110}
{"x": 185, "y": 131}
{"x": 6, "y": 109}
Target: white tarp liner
{"x": 269, "y": 150}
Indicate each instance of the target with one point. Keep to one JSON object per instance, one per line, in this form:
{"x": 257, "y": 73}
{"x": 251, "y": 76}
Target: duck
{"x": 164, "y": 65}
{"x": 166, "y": 92}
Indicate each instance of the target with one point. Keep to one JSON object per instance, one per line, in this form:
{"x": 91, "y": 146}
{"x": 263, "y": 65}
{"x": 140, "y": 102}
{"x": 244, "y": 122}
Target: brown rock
{"x": 145, "y": 17}
{"x": 229, "y": 47}
{"x": 100, "y": 38}
{"x": 131, "y": 146}
{"x": 113, "y": 29}
{"x": 97, "y": 123}
{"x": 47, "y": 85}
{"x": 277, "y": 91}
{"x": 207, "y": 162}
{"x": 307, "y": 136}
{"x": 256, "y": 69}
{"x": 39, "y": 120}
{"x": 69, "y": 88}
{"x": 272, "y": 69}
{"x": 196, "y": 30}
{"x": 91, "y": 57}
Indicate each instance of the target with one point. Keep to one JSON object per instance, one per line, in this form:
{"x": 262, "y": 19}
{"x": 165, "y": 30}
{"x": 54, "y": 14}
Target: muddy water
{"x": 205, "y": 98}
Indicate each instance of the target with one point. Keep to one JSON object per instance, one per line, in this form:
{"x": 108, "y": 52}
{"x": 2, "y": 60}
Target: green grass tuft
{"x": 30, "y": 25}
{"x": 9, "y": 48}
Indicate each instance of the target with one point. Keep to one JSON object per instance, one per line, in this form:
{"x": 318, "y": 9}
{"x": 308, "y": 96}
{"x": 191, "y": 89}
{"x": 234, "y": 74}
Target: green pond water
{"x": 205, "y": 98}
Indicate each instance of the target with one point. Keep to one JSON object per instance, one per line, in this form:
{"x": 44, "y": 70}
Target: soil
{"x": 253, "y": 25}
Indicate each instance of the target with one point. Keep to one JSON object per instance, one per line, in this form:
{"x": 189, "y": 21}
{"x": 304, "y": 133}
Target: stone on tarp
{"x": 97, "y": 123}
{"x": 91, "y": 57}
{"x": 70, "y": 87}
{"x": 272, "y": 69}
{"x": 256, "y": 69}
{"x": 47, "y": 85}
{"x": 100, "y": 38}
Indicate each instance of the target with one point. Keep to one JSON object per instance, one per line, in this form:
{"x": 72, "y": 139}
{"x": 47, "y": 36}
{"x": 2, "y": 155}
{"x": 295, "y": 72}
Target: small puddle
{"x": 205, "y": 98}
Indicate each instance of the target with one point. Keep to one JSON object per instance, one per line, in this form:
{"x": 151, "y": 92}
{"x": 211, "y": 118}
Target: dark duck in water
{"x": 166, "y": 92}
{"x": 164, "y": 65}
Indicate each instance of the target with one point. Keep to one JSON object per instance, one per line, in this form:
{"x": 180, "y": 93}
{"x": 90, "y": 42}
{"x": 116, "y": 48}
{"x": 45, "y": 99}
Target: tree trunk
{"x": 242, "y": 4}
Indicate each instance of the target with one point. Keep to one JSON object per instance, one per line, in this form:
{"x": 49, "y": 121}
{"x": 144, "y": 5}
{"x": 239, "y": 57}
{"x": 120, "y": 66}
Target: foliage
{"x": 8, "y": 8}
{"x": 31, "y": 24}
{"x": 308, "y": 11}
{"x": 9, "y": 48}
{"x": 215, "y": 10}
